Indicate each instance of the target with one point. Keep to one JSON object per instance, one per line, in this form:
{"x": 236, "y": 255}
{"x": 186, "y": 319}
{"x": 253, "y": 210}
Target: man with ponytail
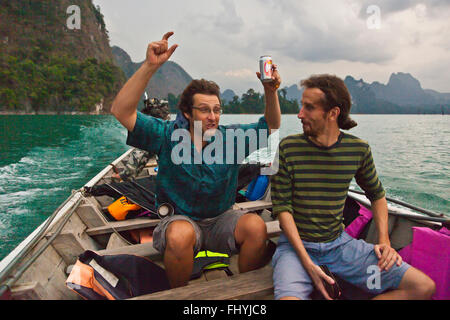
{"x": 308, "y": 196}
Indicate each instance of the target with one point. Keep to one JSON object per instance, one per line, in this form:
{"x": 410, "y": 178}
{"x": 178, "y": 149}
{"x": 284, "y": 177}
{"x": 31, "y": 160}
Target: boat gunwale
{"x": 405, "y": 213}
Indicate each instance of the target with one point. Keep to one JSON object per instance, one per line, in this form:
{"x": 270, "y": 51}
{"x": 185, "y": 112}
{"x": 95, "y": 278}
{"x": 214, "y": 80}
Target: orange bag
{"x": 120, "y": 208}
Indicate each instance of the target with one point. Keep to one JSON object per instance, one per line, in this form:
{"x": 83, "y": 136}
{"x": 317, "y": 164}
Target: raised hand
{"x": 276, "y": 79}
{"x": 159, "y": 52}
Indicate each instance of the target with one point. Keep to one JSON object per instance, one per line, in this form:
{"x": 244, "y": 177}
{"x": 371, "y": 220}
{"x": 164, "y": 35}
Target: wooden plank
{"x": 72, "y": 240}
{"x": 49, "y": 271}
{"x": 139, "y": 223}
{"x": 273, "y": 228}
{"x": 104, "y": 202}
{"x": 215, "y": 274}
{"x": 70, "y": 246}
{"x": 249, "y": 285}
{"x": 124, "y": 225}
{"x": 147, "y": 250}
{"x": 254, "y": 205}
{"x": 27, "y": 291}
{"x": 90, "y": 215}
{"x": 115, "y": 242}
{"x": 143, "y": 250}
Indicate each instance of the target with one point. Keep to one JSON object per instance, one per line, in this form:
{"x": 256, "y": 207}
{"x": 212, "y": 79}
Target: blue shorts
{"x": 352, "y": 260}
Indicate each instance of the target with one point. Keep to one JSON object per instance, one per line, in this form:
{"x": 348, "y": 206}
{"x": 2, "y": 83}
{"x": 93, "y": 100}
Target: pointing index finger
{"x": 167, "y": 35}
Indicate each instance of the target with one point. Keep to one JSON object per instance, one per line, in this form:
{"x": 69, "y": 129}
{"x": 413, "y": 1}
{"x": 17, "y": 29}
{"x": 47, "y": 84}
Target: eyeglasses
{"x": 206, "y": 110}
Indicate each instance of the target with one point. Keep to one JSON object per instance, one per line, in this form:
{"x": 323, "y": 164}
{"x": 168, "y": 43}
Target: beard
{"x": 309, "y": 131}
{"x": 314, "y": 128}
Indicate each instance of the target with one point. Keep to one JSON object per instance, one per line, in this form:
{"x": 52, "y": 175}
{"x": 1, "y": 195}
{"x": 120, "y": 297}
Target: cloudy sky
{"x": 222, "y": 40}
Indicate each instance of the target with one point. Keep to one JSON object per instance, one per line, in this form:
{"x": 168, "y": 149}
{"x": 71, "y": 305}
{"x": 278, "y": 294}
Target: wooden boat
{"x": 39, "y": 266}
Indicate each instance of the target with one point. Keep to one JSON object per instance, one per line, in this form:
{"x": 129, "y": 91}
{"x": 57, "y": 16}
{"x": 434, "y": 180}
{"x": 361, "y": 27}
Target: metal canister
{"x": 265, "y": 68}
{"x": 164, "y": 210}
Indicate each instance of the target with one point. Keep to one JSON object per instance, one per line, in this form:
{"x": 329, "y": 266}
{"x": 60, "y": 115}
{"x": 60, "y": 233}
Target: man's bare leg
{"x": 251, "y": 236}
{"x": 179, "y": 253}
{"x": 415, "y": 285}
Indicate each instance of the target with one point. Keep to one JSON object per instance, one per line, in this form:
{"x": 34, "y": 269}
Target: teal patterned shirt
{"x": 197, "y": 189}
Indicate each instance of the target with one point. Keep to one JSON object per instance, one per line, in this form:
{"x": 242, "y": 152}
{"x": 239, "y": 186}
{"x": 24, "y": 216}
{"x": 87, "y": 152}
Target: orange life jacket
{"x": 115, "y": 277}
{"x": 120, "y": 208}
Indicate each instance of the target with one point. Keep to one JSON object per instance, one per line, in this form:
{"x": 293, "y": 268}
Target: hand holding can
{"x": 268, "y": 74}
{"x": 265, "y": 68}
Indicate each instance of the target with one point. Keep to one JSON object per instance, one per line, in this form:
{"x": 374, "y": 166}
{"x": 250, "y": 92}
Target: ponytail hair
{"x": 336, "y": 95}
{"x": 346, "y": 123}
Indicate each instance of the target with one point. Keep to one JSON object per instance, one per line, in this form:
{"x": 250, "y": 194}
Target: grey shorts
{"x": 214, "y": 234}
{"x": 352, "y": 260}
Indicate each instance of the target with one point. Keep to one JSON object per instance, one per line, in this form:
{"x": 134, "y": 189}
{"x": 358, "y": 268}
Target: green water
{"x": 43, "y": 158}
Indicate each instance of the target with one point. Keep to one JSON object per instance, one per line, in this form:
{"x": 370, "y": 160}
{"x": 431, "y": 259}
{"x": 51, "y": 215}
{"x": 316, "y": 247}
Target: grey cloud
{"x": 222, "y": 35}
{"x": 389, "y": 7}
{"x": 229, "y": 19}
{"x": 308, "y": 34}
{"x": 225, "y": 21}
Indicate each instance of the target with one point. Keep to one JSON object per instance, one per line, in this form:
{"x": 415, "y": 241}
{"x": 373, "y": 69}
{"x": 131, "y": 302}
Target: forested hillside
{"x": 55, "y": 57}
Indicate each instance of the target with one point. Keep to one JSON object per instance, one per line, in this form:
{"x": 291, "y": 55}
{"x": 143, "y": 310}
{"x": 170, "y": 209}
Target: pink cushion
{"x": 445, "y": 231}
{"x": 430, "y": 253}
{"x": 355, "y": 228}
{"x": 405, "y": 253}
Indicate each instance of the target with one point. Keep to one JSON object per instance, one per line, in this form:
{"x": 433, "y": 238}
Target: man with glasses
{"x": 202, "y": 192}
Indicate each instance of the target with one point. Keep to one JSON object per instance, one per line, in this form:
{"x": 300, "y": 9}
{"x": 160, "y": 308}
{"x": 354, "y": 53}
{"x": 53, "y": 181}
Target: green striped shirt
{"x": 312, "y": 183}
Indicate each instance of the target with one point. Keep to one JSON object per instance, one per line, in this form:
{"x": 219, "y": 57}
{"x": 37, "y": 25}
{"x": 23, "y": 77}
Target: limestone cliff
{"x": 55, "y": 57}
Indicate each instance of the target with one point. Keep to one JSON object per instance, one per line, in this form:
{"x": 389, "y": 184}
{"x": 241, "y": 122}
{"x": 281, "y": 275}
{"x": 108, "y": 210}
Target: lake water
{"x": 43, "y": 158}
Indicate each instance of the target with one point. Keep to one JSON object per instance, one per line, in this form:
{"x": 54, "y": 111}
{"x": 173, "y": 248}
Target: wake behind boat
{"x": 39, "y": 267}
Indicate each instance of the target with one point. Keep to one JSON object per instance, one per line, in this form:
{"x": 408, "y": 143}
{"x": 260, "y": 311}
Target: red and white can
{"x": 265, "y": 68}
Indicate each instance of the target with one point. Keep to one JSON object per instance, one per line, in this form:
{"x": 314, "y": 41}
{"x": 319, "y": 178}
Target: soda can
{"x": 265, "y": 68}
